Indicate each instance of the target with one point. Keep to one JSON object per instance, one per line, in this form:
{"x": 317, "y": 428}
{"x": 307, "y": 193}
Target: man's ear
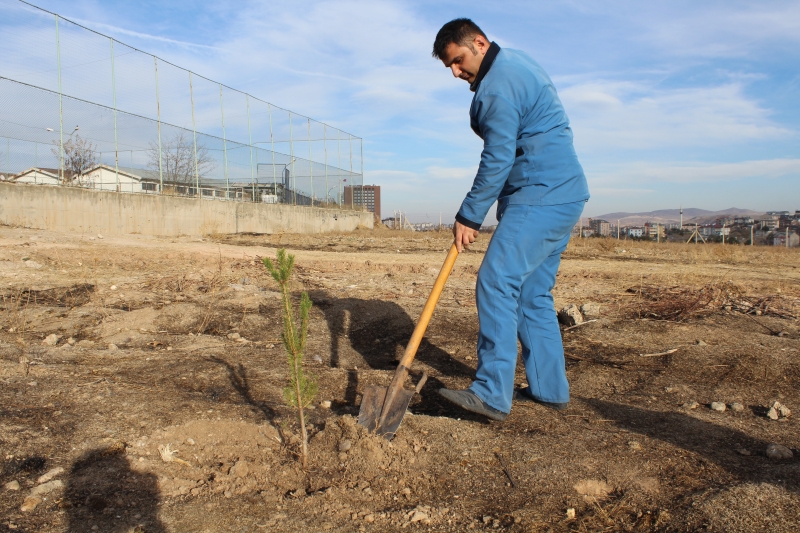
{"x": 481, "y": 43}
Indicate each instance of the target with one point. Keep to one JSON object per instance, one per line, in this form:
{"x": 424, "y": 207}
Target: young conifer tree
{"x": 302, "y": 387}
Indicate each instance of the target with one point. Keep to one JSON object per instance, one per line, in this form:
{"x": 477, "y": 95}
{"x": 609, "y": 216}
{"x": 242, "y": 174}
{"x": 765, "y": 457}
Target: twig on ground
{"x": 505, "y": 469}
{"x": 658, "y": 354}
{"x": 581, "y": 324}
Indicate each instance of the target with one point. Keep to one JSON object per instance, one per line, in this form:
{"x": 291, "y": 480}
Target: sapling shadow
{"x": 302, "y": 387}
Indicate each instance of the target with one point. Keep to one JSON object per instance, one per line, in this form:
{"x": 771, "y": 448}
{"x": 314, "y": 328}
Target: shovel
{"x": 383, "y": 408}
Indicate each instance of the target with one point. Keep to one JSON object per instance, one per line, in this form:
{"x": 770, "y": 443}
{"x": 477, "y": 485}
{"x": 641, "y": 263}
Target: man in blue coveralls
{"x": 529, "y": 166}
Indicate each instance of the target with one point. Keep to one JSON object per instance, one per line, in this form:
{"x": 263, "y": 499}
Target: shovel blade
{"x": 372, "y": 405}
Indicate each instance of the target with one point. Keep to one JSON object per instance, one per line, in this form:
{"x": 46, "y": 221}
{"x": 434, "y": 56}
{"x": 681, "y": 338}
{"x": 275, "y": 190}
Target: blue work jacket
{"x": 528, "y": 156}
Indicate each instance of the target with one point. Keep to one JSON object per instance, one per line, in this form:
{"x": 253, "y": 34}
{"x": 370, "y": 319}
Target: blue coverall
{"x": 529, "y": 166}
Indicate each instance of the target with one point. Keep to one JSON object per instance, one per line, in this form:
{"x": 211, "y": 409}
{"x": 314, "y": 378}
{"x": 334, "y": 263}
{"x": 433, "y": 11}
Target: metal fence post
{"x": 224, "y": 145}
{"x": 363, "y": 199}
{"x": 250, "y": 136}
{"x": 291, "y": 161}
{"x": 310, "y": 163}
{"x": 339, "y": 168}
{"x": 158, "y": 109}
{"x": 194, "y": 136}
{"x": 352, "y": 188}
{"x": 272, "y": 146}
{"x": 325, "y": 156}
{"x": 114, "y": 92}
{"x": 60, "y": 107}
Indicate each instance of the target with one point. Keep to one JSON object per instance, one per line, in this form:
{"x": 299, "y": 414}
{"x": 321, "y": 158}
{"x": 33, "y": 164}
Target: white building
{"x": 636, "y": 233}
{"x": 106, "y": 178}
{"x": 38, "y": 176}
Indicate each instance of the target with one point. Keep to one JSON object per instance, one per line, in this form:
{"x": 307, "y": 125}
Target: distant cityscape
{"x": 773, "y": 228}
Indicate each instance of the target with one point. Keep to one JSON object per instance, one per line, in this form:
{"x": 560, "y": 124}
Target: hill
{"x": 691, "y": 215}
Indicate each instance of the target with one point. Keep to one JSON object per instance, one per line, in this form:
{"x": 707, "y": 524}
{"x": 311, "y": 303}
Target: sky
{"x": 671, "y": 103}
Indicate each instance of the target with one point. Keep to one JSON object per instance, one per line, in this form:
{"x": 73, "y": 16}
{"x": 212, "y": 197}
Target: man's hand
{"x": 464, "y": 236}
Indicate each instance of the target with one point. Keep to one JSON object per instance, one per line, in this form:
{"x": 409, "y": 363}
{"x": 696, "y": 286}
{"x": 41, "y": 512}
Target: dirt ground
{"x": 114, "y": 348}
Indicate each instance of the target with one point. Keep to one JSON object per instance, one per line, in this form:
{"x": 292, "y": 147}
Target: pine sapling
{"x": 302, "y": 387}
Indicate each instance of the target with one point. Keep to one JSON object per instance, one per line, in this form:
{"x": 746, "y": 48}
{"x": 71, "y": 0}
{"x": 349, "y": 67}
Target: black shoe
{"x": 466, "y": 399}
{"x": 525, "y": 395}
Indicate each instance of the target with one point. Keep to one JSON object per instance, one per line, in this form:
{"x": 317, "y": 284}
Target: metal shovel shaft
{"x": 416, "y": 337}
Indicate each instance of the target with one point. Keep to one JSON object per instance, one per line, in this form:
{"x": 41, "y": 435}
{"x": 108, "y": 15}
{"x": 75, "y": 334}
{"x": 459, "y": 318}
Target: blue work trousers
{"x": 514, "y": 300}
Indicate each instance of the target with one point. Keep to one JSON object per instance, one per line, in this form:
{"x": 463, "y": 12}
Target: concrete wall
{"x": 90, "y": 211}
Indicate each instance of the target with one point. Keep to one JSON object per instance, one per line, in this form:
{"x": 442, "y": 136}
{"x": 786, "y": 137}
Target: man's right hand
{"x": 464, "y": 236}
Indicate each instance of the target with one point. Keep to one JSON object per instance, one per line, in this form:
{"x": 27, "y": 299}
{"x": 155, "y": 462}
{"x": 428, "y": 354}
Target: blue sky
{"x": 672, "y": 103}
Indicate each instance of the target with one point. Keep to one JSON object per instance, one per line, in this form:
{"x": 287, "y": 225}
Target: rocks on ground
{"x": 778, "y": 452}
{"x": 777, "y": 410}
{"x": 570, "y": 315}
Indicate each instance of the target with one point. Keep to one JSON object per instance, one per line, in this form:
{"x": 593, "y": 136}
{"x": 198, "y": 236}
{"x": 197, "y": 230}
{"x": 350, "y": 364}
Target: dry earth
{"x": 115, "y": 351}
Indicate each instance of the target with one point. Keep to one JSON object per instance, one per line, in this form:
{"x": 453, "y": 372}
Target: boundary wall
{"x": 83, "y": 210}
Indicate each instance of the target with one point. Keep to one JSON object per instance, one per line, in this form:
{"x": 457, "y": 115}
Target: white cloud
{"x": 651, "y": 172}
{"x": 608, "y": 115}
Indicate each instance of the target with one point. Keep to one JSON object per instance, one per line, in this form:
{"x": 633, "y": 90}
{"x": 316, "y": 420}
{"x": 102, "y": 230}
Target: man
{"x": 528, "y": 165}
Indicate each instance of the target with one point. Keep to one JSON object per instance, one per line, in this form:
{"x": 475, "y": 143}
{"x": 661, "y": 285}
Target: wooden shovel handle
{"x": 430, "y": 305}
{"x": 419, "y": 332}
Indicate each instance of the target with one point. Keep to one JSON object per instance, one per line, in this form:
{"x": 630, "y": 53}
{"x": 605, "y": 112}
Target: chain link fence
{"x": 80, "y": 109}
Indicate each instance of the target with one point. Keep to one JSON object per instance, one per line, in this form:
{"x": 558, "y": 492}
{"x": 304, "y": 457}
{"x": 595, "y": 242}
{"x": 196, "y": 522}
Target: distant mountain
{"x": 691, "y": 215}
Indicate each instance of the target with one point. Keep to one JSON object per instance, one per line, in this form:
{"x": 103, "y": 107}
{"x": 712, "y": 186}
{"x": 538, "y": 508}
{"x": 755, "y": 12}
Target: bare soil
{"x": 175, "y": 343}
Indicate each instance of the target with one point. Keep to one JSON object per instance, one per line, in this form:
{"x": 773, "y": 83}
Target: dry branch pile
{"x": 681, "y": 303}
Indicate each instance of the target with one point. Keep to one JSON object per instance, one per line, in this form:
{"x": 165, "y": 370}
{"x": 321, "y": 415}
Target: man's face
{"x": 463, "y": 61}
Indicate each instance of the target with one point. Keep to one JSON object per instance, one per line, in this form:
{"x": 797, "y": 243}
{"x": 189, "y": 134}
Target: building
{"x": 779, "y": 239}
{"x": 636, "y": 233}
{"x": 367, "y": 195}
{"x": 601, "y": 227}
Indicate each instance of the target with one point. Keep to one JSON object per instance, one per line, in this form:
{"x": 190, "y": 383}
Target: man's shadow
{"x": 378, "y": 332}
{"x": 717, "y": 444}
{"x": 104, "y": 494}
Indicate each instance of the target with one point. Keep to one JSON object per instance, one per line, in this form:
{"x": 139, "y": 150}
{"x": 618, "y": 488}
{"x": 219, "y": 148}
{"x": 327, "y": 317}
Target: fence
{"x": 78, "y": 108}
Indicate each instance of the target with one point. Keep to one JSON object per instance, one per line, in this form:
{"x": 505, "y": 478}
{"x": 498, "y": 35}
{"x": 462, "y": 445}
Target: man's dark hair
{"x": 458, "y": 31}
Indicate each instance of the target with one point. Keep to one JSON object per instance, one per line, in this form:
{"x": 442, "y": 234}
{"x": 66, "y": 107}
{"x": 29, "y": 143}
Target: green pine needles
{"x": 302, "y": 387}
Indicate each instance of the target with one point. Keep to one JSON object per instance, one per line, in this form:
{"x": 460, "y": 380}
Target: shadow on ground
{"x": 104, "y": 494}
{"x": 717, "y": 444}
{"x": 378, "y": 332}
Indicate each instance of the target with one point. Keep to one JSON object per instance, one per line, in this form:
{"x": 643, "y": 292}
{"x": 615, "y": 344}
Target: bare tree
{"x": 79, "y": 156}
{"x": 177, "y": 158}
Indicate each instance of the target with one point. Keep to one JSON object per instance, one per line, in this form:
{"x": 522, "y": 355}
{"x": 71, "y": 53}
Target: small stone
{"x": 30, "y": 503}
{"x": 234, "y": 336}
{"x": 325, "y": 404}
{"x": 718, "y": 406}
{"x": 47, "y": 476}
{"x": 418, "y": 516}
{"x": 634, "y": 445}
{"x": 99, "y": 236}
{"x": 743, "y": 451}
{"x": 369, "y": 518}
{"x": 571, "y": 513}
{"x": 784, "y": 411}
{"x": 12, "y": 485}
{"x": 570, "y": 315}
{"x": 190, "y": 441}
{"x": 736, "y": 406}
{"x": 113, "y": 287}
{"x": 591, "y": 310}
{"x": 700, "y": 342}
{"x": 778, "y": 452}
{"x": 773, "y": 413}
{"x": 406, "y": 491}
{"x": 345, "y": 444}
{"x": 112, "y": 347}
{"x": 46, "y": 488}
{"x": 240, "y": 469}
{"x": 51, "y": 340}
{"x": 71, "y": 341}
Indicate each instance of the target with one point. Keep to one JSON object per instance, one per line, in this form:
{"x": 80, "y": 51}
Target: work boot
{"x": 524, "y": 394}
{"x": 466, "y": 399}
